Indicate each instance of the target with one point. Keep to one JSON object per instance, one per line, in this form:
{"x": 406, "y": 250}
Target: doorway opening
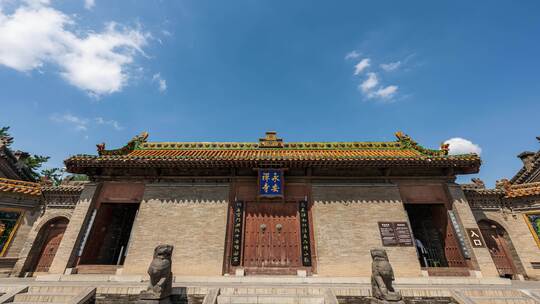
{"x": 108, "y": 239}
{"x": 497, "y": 242}
{"x": 49, "y": 239}
{"x": 435, "y": 240}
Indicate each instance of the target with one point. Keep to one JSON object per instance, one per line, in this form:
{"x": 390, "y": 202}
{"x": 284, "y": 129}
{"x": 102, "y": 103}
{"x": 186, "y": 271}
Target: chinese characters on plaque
{"x": 304, "y": 234}
{"x": 395, "y": 234}
{"x": 475, "y": 237}
{"x": 270, "y": 182}
{"x": 459, "y": 234}
{"x": 238, "y": 210}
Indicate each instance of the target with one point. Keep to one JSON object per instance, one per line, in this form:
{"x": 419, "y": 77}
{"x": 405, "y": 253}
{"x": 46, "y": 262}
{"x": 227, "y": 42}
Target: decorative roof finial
{"x": 100, "y": 148}
{"x": 271, "y": 140}
{"x": 445, "y": 148}
{"x": 130, "y": 146}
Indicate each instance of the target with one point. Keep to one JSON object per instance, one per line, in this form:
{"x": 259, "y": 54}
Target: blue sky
{"x": 77, "y": 73}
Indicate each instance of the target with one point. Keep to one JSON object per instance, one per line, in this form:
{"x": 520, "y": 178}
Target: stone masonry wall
{"x": 17, "y": 244}
{"x": 465, "y": 215}
{"x": 345, "y": 222}
{"x": 190, "y": 217}
{"x": 522, "y": 239}
{"x": 74, "y": 230}
{"x": 31, "y": 238}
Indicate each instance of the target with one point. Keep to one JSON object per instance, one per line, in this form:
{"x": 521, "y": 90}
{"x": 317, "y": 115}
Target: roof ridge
{"x": 271, "y": 142}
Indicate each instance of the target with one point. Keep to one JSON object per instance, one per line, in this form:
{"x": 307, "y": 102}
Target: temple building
{"x": 19, "y": 204}
{"x": 25, "y": 208}
{"x": 263, "y": 208}
{"x": 509, "y": 218}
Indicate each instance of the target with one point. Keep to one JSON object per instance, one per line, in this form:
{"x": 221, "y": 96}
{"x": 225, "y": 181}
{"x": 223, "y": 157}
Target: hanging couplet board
{"x": 388, "y": 235}
{"x": 459, "y": 234}
{"x": 304, "y": 234}
{"x": 238, "y": 212}
{"x": 475, "y": 237}
{"x": 271, "y": 183}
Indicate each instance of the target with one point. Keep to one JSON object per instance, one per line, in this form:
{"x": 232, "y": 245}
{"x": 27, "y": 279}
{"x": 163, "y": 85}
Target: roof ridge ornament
{"x": 408, "y": 143}
{"x": 271, "y": 140}
{"x": 133, "y": 144}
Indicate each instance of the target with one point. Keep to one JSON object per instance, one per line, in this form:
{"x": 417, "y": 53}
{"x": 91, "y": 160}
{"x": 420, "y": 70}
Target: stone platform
{"x": 78, "y": 289}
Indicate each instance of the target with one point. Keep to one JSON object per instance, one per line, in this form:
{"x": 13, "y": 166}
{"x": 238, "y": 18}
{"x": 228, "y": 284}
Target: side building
{"x": 29, "y": 209}
{"x": 509, "y": 218}
{"x": 269, "y": 207}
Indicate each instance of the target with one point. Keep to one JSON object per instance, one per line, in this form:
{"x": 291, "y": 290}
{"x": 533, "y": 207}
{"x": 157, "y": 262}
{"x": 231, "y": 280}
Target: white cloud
{"x": 112, "y": 123}
{"x": 352, "y": 55}
{"x": 83, "y": 124}
{"x": 79, "y": 124}
{"x": 391, "y": 66}
{"x": 89, "y": 4}
{"x": 385, "y": 93}
{"x": 162, "y": 83}
{"x": 361, "y": 66}
{"x": 458, "y": 145}
{"x": 368, "y": 84}
{"x": 97, "y": 62}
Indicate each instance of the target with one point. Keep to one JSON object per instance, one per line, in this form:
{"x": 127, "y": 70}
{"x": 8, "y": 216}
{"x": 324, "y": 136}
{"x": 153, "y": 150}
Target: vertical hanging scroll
{"x": 304, "y": 234}
{"x": 238, "y": 212}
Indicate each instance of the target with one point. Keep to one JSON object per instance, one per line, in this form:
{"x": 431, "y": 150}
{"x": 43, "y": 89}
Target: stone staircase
{"x": 493, "y": 296}
{"x": 271, "y": 295}
{"x": 55, "y": 294}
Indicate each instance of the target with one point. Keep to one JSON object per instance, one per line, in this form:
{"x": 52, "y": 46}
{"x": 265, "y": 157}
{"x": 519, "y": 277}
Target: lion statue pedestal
{"x": 160, "y": 287}
{"x": 382, "y": 276}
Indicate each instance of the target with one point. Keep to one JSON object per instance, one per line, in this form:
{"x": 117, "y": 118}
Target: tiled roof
{"x": 522, "y": 190}
{"x": 19, "y": 187}
{"x": 403, "y": 151}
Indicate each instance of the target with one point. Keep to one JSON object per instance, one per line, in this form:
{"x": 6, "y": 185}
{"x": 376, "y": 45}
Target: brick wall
{"x": 17, "y": 244}
{"x": 345, "y": 221}
{"x": 190, "y": 217}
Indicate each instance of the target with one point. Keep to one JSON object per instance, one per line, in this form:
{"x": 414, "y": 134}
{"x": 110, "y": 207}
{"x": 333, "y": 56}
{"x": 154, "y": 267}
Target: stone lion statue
{"x": 160, "y": 285}
{"x": 382, "y": 276}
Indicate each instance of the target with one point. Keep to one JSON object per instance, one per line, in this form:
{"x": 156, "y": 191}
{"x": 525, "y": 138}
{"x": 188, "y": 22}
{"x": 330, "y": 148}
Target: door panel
{"x": 271, "y": 235}
{"x": 498, "y": 249}
{"x": 53, "y": 236}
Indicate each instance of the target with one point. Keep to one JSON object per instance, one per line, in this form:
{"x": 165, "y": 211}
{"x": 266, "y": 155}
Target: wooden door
{"x": 452, "y": 248}
{"x": 53, "y": 234}
{"x": 498, "y": 248}
{"x": 272, "y": 238}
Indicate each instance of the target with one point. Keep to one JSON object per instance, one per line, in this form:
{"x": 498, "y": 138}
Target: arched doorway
{"x": 51, "y": 235}
{"x": 496, "y": 241}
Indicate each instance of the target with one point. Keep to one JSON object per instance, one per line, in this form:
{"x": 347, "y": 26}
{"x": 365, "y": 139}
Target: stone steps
{"x": 495, "y": 296}
{"x": 495, "y": 300}
{"x": 52, "y": 294}
{"x": 44, "y": 297}
{"x": 271, "y": 296}
{"x": 269, "y": 299}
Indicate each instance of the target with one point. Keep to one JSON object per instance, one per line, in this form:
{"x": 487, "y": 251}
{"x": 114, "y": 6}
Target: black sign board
{"x": 304, "y": 233}
{"x": 395, "y": 234}
{"x": 238, "y": 214}
{"x": 388, "y": 235}
{"x": 403, "y": 234}
{"x": 475, "y": 237}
